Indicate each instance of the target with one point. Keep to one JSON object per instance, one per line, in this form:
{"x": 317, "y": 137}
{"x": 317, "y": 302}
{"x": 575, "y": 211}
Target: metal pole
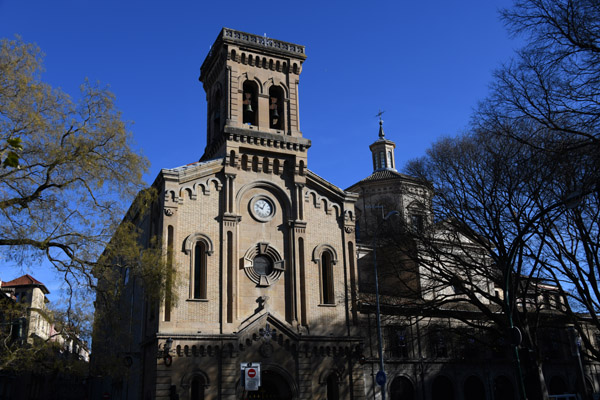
{"x": 381, "y": 377}
{"x": 379, "y": 338}
{"x": 515, "y": 346}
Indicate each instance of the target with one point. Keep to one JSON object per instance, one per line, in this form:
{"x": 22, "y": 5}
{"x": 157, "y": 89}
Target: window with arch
{"x": 250, "y": 103}
{"x": 169, "y": 278}
{"x": 199, "y": 279}
{"x": 417, "y": 222}
{"x": 325, "y": 256}
{"x": 216, "y": 113}
{"x": 327, "y": 278}
{"x": 390, "y": 162}
{"x": 381, "y": 159}
{"x": 198, "y": 247}
{"x": 276, "y": 107}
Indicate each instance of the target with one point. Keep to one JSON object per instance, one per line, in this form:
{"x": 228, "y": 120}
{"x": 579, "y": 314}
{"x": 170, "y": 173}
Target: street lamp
{"x": 167, "y": 358}
{"x": 380, "y": 377}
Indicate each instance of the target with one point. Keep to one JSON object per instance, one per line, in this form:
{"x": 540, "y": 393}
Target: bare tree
{"x": 489, "y": 246}
{"x": 554, "y": 80}
{"x": 552, "y": 87}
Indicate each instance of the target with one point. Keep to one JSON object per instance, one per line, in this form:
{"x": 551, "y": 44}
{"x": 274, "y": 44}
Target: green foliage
{"x": 69, "y": 172}
{"x": 76, "y": 167}
{"x": 21, "y": 354}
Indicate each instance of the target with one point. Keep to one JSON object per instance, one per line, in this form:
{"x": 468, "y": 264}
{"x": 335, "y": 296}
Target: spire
{"x": 383, "y": 150}
{"x": 381, "y": 134}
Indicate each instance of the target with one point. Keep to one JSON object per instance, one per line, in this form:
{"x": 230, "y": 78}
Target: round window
{"x": 263, "y": 265}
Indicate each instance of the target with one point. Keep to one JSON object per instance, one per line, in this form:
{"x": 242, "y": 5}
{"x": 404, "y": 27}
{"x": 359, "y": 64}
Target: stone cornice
{"x": 269, "y": 141}
{"x": 255, "y": 42}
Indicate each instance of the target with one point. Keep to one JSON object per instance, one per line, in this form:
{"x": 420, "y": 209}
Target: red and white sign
{"x": 250, "y": 376}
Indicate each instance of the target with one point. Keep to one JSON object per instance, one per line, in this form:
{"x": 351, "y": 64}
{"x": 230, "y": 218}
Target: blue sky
{"x": 426, "y": 63}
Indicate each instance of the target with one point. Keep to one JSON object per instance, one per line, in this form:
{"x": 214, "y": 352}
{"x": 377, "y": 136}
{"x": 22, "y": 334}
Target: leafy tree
{"x": 69, "y": 172}
{"x": 77, "y": 167}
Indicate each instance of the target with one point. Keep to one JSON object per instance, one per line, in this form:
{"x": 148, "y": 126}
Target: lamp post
{"x": 575, "y": 343}
{"x": 381, "y": 377}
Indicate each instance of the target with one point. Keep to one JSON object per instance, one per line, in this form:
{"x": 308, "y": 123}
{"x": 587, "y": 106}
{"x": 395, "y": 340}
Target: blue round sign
{"x": 380, "y": 378}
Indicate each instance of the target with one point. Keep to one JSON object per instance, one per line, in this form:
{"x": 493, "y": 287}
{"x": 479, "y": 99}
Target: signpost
{"x": 250, "y": 376}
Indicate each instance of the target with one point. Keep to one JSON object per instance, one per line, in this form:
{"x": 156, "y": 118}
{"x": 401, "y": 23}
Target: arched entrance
{"x": 402, "y": 389}
{"x": 557, "y": 385}
{"x": 273, "y": 386}
{"x": 442, "y": 388}
{"x": 503, "y": 389}
{"x": 474, "y": 389}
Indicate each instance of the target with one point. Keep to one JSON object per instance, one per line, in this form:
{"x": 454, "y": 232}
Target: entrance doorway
{"x": 273, "y": 387}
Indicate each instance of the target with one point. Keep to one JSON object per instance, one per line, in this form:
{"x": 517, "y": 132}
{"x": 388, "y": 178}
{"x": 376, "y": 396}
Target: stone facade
{"x": 263, "y": 248}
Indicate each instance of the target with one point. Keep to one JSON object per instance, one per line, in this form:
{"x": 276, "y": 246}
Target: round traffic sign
{"x": 251, "y": 373}
{"x": 380, "y": 378}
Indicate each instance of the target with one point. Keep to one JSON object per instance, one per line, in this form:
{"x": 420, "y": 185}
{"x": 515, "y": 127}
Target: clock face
{"x": 262, "y": 208}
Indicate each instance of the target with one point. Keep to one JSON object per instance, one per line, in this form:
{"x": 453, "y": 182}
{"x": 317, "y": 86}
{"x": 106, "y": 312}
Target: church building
{"x": 263, "y": 249}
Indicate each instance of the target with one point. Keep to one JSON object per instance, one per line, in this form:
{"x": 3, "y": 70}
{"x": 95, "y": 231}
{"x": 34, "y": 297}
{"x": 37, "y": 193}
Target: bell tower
{"x": 251, "y": 85}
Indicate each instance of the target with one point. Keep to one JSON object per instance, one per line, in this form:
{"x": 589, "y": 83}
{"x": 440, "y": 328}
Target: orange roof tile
{"x": 25, "y": 280}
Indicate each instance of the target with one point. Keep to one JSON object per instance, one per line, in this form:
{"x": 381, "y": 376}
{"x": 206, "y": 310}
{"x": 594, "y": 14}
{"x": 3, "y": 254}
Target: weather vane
{"x": 379, "y": 114}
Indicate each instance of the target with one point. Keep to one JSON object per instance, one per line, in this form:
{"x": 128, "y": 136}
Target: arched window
{"x": 381, "y": 159}
{"x": 200, "y": 271}
{"x": 327, "y": 278}
{"x": 169, "y": 277}
{"x": 198, "y": 247}
{"x": 216, "y": 114}
{"x": 325, "y": 257}
{"x": 250, "y": 103}
{"x": 390, "y": 162}
{"x": 275, "y": 107}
